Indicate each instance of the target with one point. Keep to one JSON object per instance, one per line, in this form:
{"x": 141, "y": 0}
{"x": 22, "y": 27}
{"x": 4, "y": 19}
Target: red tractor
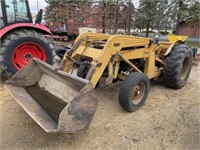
{"x": 21, "y": 39}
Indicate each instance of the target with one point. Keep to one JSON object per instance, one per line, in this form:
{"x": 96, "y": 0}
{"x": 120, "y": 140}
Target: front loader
{"x": 62, "y": 98}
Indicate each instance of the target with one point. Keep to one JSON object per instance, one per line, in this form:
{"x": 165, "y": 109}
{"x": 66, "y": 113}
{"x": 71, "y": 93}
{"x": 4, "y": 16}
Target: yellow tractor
{"x": 62, "y": 98}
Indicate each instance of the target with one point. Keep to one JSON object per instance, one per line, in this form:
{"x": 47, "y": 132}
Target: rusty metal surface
{"x": 75, "y": 97}
{"x": 32, "y": 108}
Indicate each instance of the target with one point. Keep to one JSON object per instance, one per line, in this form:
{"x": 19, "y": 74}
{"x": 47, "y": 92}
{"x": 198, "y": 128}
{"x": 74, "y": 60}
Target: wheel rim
{"x": 138, "y": 93}
{"x": 25, "y": 52}
{"x": 185, "y": 68}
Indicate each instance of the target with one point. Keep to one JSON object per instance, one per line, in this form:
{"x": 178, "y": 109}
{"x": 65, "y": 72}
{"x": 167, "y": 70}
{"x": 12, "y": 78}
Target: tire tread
{"x": 172, "y": 66}
{"x": 14, "y": 35}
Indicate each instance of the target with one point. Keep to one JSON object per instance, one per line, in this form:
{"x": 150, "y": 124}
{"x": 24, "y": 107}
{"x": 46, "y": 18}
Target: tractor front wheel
{"x": 134, "y": 91}
{"x": 20, "y": 47}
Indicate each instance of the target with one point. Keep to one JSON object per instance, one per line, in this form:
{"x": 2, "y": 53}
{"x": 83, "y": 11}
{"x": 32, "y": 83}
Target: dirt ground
{"x": 170, "y": 119}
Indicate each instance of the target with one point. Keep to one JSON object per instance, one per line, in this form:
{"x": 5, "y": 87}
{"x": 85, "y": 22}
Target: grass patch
{"x": 192, "y": 44}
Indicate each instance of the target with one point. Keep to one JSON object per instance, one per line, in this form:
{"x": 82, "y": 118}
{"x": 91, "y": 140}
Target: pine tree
{"x": 146, "y": 14}
{"x": 178, "y": 10}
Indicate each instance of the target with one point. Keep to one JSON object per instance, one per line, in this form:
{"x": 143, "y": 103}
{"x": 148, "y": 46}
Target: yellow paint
{"x": 108, "y": 51}
{"x": 174, "y": 38}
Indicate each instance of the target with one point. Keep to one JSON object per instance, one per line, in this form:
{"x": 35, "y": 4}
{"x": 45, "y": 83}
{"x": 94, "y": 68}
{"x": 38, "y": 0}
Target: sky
{"x": 33, "y": 5}
{"x": 42, "y": 4}
{"x": 136, "y": 3}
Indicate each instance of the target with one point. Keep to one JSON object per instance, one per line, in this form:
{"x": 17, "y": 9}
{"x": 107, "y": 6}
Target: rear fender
{"x": 175, "y": 40}
{"x": 38, "y": 27}
{"x": 169, "y": 49}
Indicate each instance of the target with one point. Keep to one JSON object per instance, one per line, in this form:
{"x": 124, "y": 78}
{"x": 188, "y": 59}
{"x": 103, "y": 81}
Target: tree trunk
{"x": 116, "y": 17}
{"x": 177, "y": 25}
{"x": 180, "y": 5}
{"x": 158, "y": 27}
{"x": 129, "y": 18}
{"x": 104, "y": 17}
{"x": 147, "y": 28}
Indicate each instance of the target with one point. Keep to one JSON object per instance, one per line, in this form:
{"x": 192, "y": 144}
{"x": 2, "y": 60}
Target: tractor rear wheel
{"x": 134, "y": 91}
{"x": 178, "y": 66}
{"x": 19, "y": 47}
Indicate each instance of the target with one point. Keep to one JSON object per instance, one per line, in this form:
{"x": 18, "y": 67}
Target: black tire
{"x": 11, "y": 41}
{"x": 130, "y": 87}
{"x": 194, "y": 50}
{"x": 178, "y": 66}
{"x": 82, "y": 70}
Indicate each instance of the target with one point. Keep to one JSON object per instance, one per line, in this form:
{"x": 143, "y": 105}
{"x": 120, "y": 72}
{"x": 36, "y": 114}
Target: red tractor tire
{"x": 19, "y": 47}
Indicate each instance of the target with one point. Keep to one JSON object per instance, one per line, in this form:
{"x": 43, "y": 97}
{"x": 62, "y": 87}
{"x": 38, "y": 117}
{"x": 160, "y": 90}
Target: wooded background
{"x": 150, "y": 14}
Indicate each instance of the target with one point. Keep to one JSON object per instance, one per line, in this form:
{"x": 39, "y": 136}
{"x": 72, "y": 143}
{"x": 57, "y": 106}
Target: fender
{"x": 169, "y": 49}
{"x": 174, "y": 39}
{"x": 40, "y": 27}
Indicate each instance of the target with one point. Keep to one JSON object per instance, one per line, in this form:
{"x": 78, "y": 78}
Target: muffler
{"x": 57, "y": 101}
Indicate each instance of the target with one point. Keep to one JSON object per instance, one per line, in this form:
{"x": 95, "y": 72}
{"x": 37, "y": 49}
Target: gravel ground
{"x": 170, "y": 119}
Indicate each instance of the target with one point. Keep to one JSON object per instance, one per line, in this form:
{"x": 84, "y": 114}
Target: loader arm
{"x": 128, "y": 47}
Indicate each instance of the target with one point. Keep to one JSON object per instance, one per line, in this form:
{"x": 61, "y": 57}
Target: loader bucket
{"x": 57, "y": 101}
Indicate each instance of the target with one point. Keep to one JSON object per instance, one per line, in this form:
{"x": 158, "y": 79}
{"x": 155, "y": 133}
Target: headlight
{"x": 156, "y": 35}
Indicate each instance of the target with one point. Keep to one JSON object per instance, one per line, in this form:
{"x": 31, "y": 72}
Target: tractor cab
{"x": 14, "y": 11}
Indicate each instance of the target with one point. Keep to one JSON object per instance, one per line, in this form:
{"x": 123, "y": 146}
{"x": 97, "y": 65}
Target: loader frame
{"x": 111, "y": 50}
